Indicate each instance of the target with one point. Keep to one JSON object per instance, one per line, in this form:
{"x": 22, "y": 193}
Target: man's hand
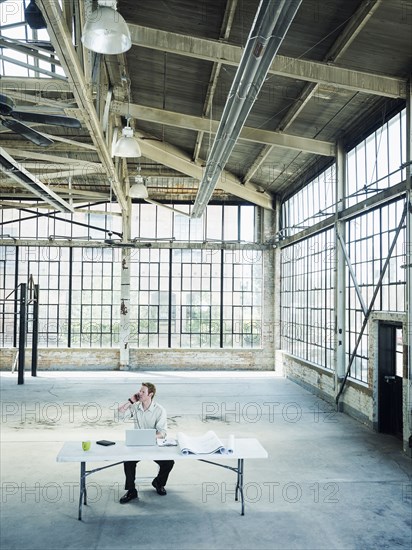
{"x": 133, "y": 399}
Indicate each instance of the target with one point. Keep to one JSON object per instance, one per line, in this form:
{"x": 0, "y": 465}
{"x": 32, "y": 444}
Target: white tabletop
{"x": 72, "y": 452}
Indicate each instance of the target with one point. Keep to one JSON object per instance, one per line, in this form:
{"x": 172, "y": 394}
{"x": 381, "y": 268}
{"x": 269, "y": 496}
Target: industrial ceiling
{"x": 340, "y": 69}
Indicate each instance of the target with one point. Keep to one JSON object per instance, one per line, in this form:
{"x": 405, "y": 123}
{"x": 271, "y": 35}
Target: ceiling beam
{"x": 48, "y": 105}
{"x": 301, "y": 69}
{"x": 173, "y": 157}
{"x": 61, "y": 39}
{"x": 29, "y": 84}
{"x": 322, "y": 73}
{"x": 60, "y": 145}
{"x": 31, "y": 67}
{"x": 163, "y": 243}
{"x": 32, "y": 155}
{"x": 26, "y": 49}
{"x": 319, "y": 72}
{"x": 25, "y": 179}
{"x": 62, "y": 174}
{"x": 343, "y": 41}
{"x": 189, "y": 122}
{"x": 71, "y": 142}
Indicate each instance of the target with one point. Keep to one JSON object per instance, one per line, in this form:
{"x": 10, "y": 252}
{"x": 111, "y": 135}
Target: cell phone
{"x": 105, "y": 443}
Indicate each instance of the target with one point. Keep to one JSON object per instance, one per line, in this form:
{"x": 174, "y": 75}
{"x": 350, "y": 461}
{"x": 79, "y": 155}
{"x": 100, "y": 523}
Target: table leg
{"x": 83, "y": 491}
{"x": 239, "y": 484}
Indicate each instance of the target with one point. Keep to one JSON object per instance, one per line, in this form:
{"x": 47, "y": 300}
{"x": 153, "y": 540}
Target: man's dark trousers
{"x": 165, "y": 467}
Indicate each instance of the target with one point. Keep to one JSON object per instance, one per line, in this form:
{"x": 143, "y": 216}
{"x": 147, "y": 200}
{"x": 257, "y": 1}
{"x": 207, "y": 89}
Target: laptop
{"x": 139, "y": 437}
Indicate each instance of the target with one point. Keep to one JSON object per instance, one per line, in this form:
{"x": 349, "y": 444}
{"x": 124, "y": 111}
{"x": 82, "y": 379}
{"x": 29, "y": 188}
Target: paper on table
{"x": 230, "y": 444}
{"x": 208, "y": 443}
{"x": 167, "y": 442}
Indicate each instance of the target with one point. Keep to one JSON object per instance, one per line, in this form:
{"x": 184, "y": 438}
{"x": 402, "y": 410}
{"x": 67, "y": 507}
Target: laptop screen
{"x": 140, "y": 437}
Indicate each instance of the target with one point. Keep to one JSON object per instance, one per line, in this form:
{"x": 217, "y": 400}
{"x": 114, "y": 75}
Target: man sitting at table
{"x": 146, "y": 415}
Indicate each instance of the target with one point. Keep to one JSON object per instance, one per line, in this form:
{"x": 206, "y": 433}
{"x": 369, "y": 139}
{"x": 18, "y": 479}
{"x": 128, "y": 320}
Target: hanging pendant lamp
{"x": 106, "y": 31}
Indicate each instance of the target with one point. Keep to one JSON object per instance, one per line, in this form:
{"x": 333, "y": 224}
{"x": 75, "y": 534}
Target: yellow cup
{"x": 86, "y": 445}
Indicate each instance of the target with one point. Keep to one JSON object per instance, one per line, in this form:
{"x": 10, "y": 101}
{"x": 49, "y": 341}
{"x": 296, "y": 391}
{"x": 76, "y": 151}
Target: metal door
{"x": 390, "y": 379}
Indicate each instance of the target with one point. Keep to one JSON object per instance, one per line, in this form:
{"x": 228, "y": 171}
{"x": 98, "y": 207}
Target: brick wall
{"x": 357, "y": 399}
{"x": 201, "y": 359}
{"x": 108, "y": 359}
{"x": 65, "y": 359}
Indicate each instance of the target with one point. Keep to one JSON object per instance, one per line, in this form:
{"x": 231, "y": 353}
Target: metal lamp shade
{"x": 106, "y": 32}
{"x": 138, "y": 191}
{"x": 127, "y": 146}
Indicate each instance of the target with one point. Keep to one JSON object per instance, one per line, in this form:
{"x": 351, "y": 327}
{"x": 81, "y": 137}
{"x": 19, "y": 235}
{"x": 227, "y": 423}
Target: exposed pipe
{"x": 269, "y": 28}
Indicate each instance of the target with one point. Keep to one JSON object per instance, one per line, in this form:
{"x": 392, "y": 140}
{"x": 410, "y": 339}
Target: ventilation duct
{"x": 272, "y": 22}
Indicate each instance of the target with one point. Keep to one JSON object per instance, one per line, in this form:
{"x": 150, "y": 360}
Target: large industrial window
{"x": 370, "y": 237}
{"x": 196, "y": 298}
{"x": 378, "y": 162}
{"x": 49, "y": 269}
{"x": 307, "y": 267}
{"x": 197, "y": 294}
{"x": 242, "y": 298}
{"x": 312, "y": 204}
{"x": 8, "y": 321}
{"x": 180, "y": 297}
{"x": 307, "y": 299}
{"x": 95, "y": 297}
{"x": 150, "y": 306}
{"x": 19, "y": 64}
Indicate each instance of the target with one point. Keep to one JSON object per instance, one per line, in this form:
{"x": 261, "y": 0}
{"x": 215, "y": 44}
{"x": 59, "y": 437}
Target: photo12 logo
{"x": 51, "y": 412}
{"x": 268, "y": 411}
{"x": 270, "y": 492}
{"x": 53, "y": 492}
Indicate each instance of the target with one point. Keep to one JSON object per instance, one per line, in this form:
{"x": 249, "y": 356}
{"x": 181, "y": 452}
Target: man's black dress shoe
{"x": 159, "y": 488}
{"x": 130, "y": 495}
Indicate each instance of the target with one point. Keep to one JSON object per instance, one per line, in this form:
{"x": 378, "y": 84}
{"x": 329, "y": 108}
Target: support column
{"x": 259, "y": 221}
{"x": 124, "y": 335}
{"x": 22, "y": 332}
{"x": 35, "y": 334}
{"x": 340, "y": 270}
{"x": 276, "y": 255}
{"x": 407, "y": 418}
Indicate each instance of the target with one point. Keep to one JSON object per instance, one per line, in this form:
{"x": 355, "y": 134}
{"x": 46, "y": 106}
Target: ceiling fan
{"x": 10, "y": 118}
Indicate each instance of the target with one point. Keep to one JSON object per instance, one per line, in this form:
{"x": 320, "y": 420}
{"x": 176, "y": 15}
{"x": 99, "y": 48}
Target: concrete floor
{"x": 329, "y": 482}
